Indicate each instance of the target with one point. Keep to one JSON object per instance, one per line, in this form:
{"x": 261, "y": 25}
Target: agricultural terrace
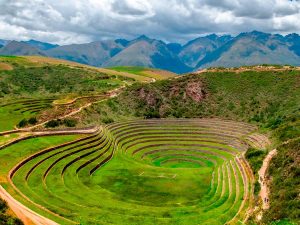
{"x": 172, "y": 171}
{"x": 13, "y": 112}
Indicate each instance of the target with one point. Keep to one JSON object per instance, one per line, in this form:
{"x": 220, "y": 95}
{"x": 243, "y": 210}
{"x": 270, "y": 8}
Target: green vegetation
{"x": 6, "y": 219}
{"x": 144, "y": 72}
{"x": 64, "y": 122}
{"x": 150, "y": 172}
{"x": 255, "y": 158}
{"x": 52, "y": 80}
{"x": 285, "y": 189}
{"x": 22, "y": 112}
{"x": 130, "y": 69}
{"x": 174, "y": 171}
{"x": 270, "y": 99}
{"x": 25, "y": 122}
{"x": 258, "y": 97}
{"x": 32, "y": 85}
{"x": 14, "y": 154}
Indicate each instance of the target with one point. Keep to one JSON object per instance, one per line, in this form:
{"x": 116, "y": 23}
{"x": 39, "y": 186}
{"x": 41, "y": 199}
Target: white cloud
{"x": 76, "y": 21}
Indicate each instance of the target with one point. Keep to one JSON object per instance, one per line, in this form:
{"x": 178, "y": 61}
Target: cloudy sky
{"x": 78, "y": 21}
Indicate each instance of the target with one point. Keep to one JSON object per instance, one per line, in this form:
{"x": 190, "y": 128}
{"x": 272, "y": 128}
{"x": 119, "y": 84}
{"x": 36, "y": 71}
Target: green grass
{"x": 9, "y": 119}
{"x": 131, "y": 188}
{"x": 54, "y": 80}
{"x": 13, "y": 112}
{"x": 257, "y": 97}
{"x": 137, "y": 184}
{"x": 144, "y": 72}
{"x": 285, "y": 191}
{"x": 11, "y": 155}
{"x": 130, "y": 69}
{"x": 270, "y": 99}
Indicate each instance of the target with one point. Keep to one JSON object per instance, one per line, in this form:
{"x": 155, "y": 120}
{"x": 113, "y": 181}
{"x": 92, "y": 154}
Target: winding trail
{"x": 28, "y": 216}
{"x": 263, "y": 181}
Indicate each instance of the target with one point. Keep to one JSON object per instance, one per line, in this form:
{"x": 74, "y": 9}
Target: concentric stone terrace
{"x": 143, "y": 172}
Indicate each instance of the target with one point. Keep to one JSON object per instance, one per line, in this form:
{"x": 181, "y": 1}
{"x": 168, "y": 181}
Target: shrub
{"x": 17, "y": 221}
{"x": 255, "y": 157}
{"x": 3, "y": 206}
{"x": 69, "y": 122}
{"x": 6, "y": 218}
{"x": 107, "y": 120}
{"x": 52, "y": 123}
{"x": 32, "y": 120}
{"x": 23, "y": 123}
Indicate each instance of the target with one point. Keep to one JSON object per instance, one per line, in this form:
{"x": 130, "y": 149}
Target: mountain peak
{"x": 212, "y": 36}
{"x": 122, "y": 42}
{"x": 292, "y": 36}
{"x": 143, "y": 37}
{"x": 40, "y": 45}
{"x": 254, "y": 34}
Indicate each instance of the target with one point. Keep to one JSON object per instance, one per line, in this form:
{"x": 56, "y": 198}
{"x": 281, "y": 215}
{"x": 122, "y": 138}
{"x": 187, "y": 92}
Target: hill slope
{"x": 20, "y": 48}
{"x": 194, "y": 51}
{"x": 29, "y": 75}
{"x": 95, "y": 53}
{"x": 258, "y": 97}
{"x": 145, "y": 52}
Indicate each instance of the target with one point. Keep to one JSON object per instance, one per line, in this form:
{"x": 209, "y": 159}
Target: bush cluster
{"x": 24, "y": 122}
{"x": 64, "y": 122}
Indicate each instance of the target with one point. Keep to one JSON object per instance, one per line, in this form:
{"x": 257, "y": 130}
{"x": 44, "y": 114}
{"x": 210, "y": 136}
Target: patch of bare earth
{"x": 5, "y": 66}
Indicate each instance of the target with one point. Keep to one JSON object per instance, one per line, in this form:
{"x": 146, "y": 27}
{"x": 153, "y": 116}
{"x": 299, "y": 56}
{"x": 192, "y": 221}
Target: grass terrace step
{"x": 144, "y": 172}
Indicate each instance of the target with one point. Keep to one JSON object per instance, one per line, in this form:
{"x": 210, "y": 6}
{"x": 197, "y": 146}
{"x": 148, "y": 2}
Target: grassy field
{"x": 120, "y": 72}
{"x": 150, "y": 172}
{"x": 147, "y": 72}
{"x": 131, "y": 69}
{"x": 12, "y": 113}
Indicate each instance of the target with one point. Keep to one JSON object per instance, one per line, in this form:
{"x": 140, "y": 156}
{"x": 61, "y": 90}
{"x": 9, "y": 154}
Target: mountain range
{"x": 209, "y": 51}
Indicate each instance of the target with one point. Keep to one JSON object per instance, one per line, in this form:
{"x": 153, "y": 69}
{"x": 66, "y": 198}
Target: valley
{"x": 135, "y": 145}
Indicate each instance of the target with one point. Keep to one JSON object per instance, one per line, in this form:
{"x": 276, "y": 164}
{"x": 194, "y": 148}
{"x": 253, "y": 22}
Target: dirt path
{"x": 112, "y": 94}
{"x": 72, "y": 101}
{"x": 28, "y": 216}
{"x": 264, "y": 191}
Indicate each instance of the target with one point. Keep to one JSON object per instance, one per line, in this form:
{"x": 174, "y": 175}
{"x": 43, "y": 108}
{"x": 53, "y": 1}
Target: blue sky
{"x": 79, "y": 21}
